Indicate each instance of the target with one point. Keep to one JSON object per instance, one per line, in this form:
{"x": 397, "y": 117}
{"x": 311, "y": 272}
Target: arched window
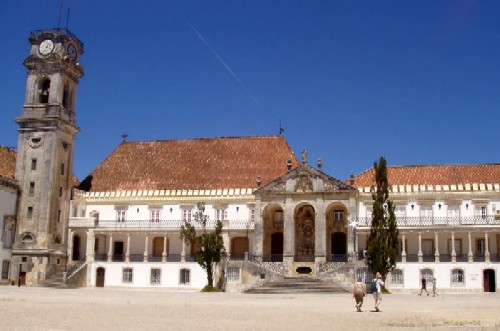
{"x": 27, "y": 238}
{"x": 44, "y": 90}
{"x": 457, "y": 277}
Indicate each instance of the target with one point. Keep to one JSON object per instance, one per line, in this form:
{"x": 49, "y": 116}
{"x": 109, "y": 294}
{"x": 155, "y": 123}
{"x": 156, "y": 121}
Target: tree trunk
{"x": 210, "y": 277}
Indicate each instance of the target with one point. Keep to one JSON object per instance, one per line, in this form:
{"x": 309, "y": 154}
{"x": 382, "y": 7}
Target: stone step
{"x": 296, "y": 285}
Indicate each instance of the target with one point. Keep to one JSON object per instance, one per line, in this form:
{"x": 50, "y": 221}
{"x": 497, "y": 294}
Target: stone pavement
{"x": 27, "y": 308}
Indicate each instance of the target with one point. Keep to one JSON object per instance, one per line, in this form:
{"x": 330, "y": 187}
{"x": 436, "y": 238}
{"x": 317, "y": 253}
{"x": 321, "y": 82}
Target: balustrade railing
{"x": 76, "y": 222}
{"x": 435, "y": 221}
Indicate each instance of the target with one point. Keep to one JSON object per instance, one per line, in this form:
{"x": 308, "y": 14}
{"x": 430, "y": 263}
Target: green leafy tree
{"x": 207, "y": 249}
{"x": 383, "y": 244}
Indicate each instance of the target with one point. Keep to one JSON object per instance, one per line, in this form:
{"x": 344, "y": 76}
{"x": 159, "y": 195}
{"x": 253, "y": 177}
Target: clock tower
{"x": 44, "y": 166}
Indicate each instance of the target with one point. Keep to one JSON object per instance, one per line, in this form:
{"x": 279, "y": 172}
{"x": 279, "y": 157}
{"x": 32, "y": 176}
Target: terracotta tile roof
{"x": 194, "y": 164}
{"x": 7, "y": 162}
{"x": 434, "y": 175}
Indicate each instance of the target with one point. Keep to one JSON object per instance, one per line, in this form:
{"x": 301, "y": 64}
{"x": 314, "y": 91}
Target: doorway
{"x": 339, "y": 243}
{"x": 489, "y": 283}
{"x": 158, "y": 246}
{"x": 76, "y": 248}
{"x": 118, "y": 251}
{"x": 99, "y": 278}
{"x": 277, "y": 247}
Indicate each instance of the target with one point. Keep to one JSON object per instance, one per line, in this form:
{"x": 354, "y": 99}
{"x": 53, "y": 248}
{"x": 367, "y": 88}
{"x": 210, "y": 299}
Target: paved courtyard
{"x": 139, "y": 309}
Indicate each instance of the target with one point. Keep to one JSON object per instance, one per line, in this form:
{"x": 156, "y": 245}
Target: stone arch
{"x": 337, "y": 224}
{"x": 305, "y": 232}
{"x": 273, "y": 218}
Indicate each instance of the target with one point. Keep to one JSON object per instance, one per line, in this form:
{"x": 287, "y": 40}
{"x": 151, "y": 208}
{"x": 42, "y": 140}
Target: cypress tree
{"x": 383, "y": 243}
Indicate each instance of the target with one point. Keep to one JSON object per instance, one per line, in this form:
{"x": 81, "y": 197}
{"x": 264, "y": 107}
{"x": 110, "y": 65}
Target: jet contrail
{"x": 224, "y": 64}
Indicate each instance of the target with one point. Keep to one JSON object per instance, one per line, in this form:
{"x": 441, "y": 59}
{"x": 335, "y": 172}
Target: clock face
{"x": 72, "y": 53}
{"x": 46, "y": 47}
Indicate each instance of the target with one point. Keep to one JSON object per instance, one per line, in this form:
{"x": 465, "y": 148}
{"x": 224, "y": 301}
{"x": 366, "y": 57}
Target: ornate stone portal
{"x": 305, "y": 233}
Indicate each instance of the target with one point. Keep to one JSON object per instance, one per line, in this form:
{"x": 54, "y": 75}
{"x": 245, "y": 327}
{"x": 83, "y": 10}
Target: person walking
{"x": 377, "y": 284}
{"x": 434, "y": 290}
{"x": 359, "y": 292}
{"x": 424, "y": 286}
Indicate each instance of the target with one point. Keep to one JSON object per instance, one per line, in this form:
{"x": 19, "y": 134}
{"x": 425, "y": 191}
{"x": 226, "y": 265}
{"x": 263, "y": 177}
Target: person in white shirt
{"x": 377, "y": 295}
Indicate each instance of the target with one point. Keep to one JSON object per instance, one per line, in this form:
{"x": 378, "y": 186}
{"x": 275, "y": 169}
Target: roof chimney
{"x": 259, "y": 181}
{"x": 289, "y": 164}
{"x": 320, "y": 163}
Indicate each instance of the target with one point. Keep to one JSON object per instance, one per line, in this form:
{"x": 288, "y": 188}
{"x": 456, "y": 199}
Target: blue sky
{"x": 415, "y": 81}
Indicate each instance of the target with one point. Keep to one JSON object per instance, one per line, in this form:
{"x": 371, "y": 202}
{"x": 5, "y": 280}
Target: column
{"x": 436, "y": 252}
{"x": 90, "y": 245}
{"x": 164, "y": 254}
{"x": 403, "y": 249}
{"x": 127, "y": 252}
{"x": 110, "y": 249}
{"x": 183, "y": 252}
{"x": 70, "y": 246}
{"x": 470, "y": 255}
{"x": 146, "y": 248}
{"x": 258, "y": 240}
{"x": 486, "y": 250}
{"x": 288, "y": 232}
{"x": 420, "y": 254}
{"x": 320, "y": 233}
{"x": 453, "y": 252}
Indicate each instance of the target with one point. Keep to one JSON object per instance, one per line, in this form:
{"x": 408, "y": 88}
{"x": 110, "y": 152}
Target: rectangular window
{"x": 154, "y": 215}
{"x": 60, "y": 191}
{"x": 33, "y": 164}
{"x": 426, "y": 212}
{"x": 155, "y": 276}
{"x": 8, "y": 234}
{"x": 29, "y": 214}
{"x": 184, "y": 276}
{"x": 62, "y": 169}
{"x": 338, "y": 215}
{"x": 121, "y": 215}
{"x": 127, "y": 275}
{"x": 5, "y": 269}
{"x": 186, "y": 215}
{"x": 457, "y": 277}
{"x": 233, "y": 274}
{"x": 31, "y": 191}
{"x": 220, "y": 214}
{"x": 59, "y": 216}
{"x": 397, "y": 277}
{"x": 369, "y": 213}
{"x": 480, "y": 211}
{"x": 278, "y": 216}
{"x": 399, "y": 212}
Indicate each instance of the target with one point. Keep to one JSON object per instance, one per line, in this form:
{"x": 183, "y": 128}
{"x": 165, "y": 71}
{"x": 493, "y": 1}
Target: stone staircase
{"x": 295, "y": 285}
{"x": 56, "y": 281}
